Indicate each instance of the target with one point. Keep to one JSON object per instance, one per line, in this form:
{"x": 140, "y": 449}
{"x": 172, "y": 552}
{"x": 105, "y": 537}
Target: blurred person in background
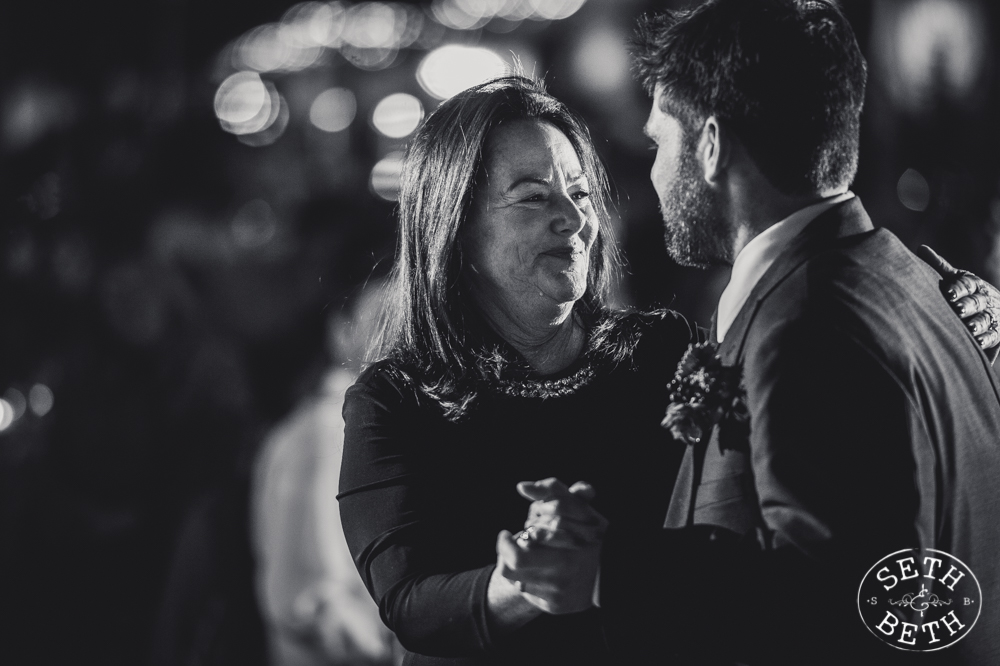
{"x": 212, "y": 610}
{"x": 499, "y": 355}
{"x": 315, "y": 606}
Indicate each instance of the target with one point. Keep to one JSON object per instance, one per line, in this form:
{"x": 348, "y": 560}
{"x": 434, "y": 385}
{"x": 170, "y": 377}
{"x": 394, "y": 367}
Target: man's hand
{"x": 554, "y": 561}
{"x": 563, "y": 515}
{"x": 975, "y": 300}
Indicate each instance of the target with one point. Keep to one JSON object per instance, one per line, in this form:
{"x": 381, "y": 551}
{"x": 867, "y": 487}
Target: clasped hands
{"x": 553, "y": 562}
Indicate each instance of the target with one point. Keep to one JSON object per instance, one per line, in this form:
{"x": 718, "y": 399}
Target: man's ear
{"x": 714, "y": 149}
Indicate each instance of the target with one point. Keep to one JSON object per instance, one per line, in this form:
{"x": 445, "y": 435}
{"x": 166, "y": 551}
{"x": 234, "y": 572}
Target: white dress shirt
{"x": 758, "y": 255}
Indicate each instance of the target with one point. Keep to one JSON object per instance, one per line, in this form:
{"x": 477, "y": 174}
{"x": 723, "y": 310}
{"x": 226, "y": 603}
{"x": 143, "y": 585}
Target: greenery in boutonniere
{"x": 704, "y": 393}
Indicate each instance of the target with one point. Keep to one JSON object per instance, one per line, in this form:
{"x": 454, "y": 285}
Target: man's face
{"x": 695, "y": 230}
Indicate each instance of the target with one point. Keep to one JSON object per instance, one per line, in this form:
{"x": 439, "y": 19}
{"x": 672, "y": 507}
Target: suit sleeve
{"x": 391, "y": 537}
{"x": 831, "y": 438}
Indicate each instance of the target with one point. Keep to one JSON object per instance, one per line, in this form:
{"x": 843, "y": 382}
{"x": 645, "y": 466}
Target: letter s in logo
{"x": 884, "y": 575}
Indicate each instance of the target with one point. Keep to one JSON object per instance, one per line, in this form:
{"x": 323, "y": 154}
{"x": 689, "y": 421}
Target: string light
{"x": 397, "y": 115}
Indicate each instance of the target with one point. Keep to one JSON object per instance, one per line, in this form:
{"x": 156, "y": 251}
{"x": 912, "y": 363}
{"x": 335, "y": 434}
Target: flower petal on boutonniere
{"x": 705, "y": 393}
{"x": 681, "y": 421}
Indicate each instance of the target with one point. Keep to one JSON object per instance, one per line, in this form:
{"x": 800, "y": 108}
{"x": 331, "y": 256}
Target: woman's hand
{"x": 554, "y": 560}
{"x": 562, "y": 517}
{"x": 975, "y": 300}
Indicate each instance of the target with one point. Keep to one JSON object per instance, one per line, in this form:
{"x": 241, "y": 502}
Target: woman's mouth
{"x": 567, "y": 254}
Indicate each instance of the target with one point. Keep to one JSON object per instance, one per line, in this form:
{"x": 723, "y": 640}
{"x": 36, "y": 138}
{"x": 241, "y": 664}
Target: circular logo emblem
{"x": 920, "y": 599}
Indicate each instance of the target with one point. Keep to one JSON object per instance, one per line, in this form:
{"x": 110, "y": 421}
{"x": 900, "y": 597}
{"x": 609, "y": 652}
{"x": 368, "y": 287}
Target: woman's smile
{"x": 570, "y": 254}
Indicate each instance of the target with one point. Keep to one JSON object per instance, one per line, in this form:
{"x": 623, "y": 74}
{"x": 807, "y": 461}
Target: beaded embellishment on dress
{"x": 547, "y": 388}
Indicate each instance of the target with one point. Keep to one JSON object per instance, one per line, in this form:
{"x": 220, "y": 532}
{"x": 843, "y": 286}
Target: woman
{"x": 500, "y": 360}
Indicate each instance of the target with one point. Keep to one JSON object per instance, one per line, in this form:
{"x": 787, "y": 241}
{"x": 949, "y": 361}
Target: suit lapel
{"x": 680, "y": 511}
{"x": 846, "y": 219}
{"x": 843, "y": 220}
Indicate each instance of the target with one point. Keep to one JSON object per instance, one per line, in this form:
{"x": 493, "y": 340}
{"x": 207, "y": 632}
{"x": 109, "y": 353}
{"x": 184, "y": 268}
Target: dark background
{"x": 165, "y": 288}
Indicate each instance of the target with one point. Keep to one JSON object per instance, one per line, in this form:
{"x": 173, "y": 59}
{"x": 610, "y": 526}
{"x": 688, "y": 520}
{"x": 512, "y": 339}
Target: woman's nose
{"x": 568, "y": 218}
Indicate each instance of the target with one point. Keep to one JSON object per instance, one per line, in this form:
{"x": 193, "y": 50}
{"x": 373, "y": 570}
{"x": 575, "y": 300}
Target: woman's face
{"x": 532, "y": 224}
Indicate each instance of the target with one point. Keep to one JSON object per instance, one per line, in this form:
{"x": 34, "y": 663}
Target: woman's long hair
{"x": 425, "y": 319}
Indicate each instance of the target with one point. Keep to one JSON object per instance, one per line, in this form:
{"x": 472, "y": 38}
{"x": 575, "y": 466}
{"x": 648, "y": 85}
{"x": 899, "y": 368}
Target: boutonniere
{"x": 705, "y": 393}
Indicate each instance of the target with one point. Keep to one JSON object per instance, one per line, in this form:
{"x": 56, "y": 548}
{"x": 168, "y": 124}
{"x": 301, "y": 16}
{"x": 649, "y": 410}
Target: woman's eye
{"x": 581, "y": 195}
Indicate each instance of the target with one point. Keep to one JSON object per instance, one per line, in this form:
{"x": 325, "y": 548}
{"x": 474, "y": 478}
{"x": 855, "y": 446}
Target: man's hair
{"x": 786, "y": 76}
{"x": 427, "y": 311}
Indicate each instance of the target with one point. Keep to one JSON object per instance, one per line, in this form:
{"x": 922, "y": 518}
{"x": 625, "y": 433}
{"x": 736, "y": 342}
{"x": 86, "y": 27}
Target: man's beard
{"x": 694, "y": 229}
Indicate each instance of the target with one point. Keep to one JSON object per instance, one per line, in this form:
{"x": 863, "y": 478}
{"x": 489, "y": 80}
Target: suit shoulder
{"x": 855, "y": 276}
{"x": 872, "y": 291}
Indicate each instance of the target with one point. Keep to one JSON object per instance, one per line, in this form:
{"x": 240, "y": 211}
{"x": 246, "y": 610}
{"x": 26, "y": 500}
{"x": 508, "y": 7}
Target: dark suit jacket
{"x": 875, "y": 426}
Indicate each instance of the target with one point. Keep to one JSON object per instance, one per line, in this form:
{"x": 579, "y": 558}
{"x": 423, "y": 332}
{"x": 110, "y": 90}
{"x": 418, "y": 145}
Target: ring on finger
{"x": 527, "y": 534}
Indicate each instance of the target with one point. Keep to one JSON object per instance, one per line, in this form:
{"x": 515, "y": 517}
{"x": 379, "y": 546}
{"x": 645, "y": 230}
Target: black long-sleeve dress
{"x": 423, "y": 498}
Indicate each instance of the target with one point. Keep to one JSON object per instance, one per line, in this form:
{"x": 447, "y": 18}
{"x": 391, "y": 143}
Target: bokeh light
{"x": 254, "y": 225}
{"x": 273, "y": 130}
{"x": 40, "y": 399}
{"x": 276, "y": 102}
{"x": 452, "y": 68}
{"x": 245, "y": 103}
{"x": 240, "y": 98}
{"x": 516, "y": 10}
{"x": 369, "y": 59}
{"x": 555, "y": 10}
{"x": 311, "y": 24}
{"x": 17, "y": 401}
{"x": 475, "y": 14}
{"x": 374, "y": 25}
{"x": 333, "y": 110}
{"x": 384, "y": 180}
{"x": 931, "y": 48}
{"x": 262, "y": 49}
{"x": 6, "y": 414}
{"x": 370, "y": 35}
{"x": 398, "y": 115}
{"x": 601, "y": 62}
{"x": 913, "y": 190}
{"x": 464, "y": 14}
{"x": 941, "y": 38}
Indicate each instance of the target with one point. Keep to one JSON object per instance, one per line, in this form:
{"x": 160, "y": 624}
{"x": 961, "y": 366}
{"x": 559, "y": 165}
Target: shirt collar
{"x": 758, "y": 255}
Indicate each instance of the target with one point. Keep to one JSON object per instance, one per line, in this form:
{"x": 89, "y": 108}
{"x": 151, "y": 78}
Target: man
{"x": 874, "y": 418}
